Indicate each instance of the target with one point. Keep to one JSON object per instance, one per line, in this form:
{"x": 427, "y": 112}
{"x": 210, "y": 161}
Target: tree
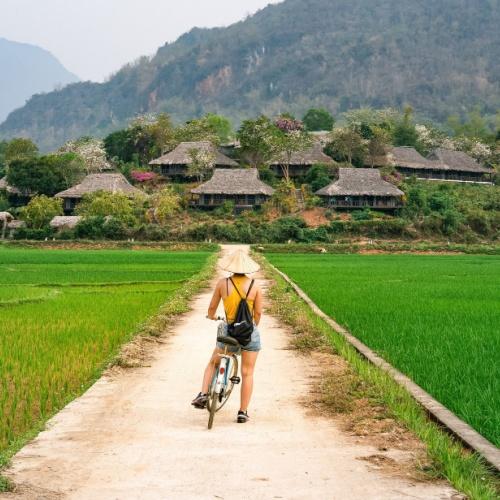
{"x": 347, "y": 144}
{"x": 202, "y": 163}
{"x": 318, "y": 176}
{"x": 290, "y": 138}
{"x": 377, "y": 144}
{"x": 144, "y": 139}
{"x": 3, "y": 166}
{"x": 164, "y": 204}
{"x": 41, "y": 210}
{"x": 45, "y": 174}
{"x": 405, "y": 133}
{"x": 20, "y": 149}
{"x": 221, "y": 126}
{"x": 256, "y": 140}
{"x": 474, "y": 126}
{"x": 284, "y": 197}
{"x": 104, "y": 204}
{"x": 318, "y": 119}
{"x": 92, "y": 153}
{"x": 201, "y": 129}
{"x": 120, "y": 145}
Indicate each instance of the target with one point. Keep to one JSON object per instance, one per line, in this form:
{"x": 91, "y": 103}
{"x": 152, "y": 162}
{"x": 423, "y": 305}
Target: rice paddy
{"x": 435, "y": 318}
{"x": 63, "y": 316}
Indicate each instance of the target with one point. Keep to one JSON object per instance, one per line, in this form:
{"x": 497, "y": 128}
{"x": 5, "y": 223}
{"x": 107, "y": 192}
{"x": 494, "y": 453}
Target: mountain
{"x": 26, "y": 70}
{"x": 439, "y": 56}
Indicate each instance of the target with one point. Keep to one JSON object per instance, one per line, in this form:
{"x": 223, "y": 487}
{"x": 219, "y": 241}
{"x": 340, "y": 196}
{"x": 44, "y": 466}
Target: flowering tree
{"x": 202, "y": 162}
{"x": 290, "y": 138}
{"x": 142, "y": 177}
{"x": 430, "y": 138}
{"x": 256, "y": 140}
{"x": 91, "y": 151}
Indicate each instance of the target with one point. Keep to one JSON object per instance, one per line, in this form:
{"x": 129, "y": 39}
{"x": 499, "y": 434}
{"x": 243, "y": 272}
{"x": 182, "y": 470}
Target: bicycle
{"x": 225, "y": 377}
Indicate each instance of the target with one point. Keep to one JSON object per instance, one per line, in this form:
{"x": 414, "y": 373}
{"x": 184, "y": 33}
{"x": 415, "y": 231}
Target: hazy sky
{"x": 94, "y": 38}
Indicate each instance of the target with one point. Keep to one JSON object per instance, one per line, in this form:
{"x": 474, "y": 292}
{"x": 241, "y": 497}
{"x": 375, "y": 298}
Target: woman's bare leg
{"x": 209, "y": 370}
{"x": 248, "y": 360}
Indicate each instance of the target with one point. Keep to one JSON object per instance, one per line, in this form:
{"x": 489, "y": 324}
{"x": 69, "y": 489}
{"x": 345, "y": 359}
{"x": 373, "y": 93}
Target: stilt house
{"x": 302, "y": 161}
{"x": 241, "y": 186}
{"x": 113, "y": 183}
{"x": 442, "y": 165}
{"x": 176, "y": 163}
{"x": 358, "y": 188}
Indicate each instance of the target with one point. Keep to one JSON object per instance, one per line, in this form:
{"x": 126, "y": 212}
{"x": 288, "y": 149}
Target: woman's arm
{"x": 257, "y": 306}
{"x": 214, "y": 303}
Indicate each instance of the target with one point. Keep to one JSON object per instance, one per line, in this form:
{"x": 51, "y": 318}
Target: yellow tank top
{"x": 232, "y": 301}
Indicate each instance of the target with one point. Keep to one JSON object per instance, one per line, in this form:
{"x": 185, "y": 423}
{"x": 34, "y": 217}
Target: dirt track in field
{"x": 135, "y": 436}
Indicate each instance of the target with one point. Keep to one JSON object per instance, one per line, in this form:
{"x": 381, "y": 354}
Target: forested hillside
{"x": 440, "y": 57}
{"x": 25, "y": 70}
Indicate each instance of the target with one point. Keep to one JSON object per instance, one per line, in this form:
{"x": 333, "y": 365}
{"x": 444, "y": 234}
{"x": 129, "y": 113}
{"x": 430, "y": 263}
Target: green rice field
{"x": 64, "y": 315}
{"x": 434, "y": 317}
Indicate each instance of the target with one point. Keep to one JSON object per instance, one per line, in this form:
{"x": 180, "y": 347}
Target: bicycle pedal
{"x": 235, "y": 380}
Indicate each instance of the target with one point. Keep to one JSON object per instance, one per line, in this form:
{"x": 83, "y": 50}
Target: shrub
{"x": 26, "y": 233}
{"x": 40, "y": 211}
{"x": 91, "y": 228}
{"x": 164, "y": 204}
{"x": 114, "y": 229}
{"x": 104, "y": 203}
{"x": 227, "y": 208}
{"x": 362, "y": 214}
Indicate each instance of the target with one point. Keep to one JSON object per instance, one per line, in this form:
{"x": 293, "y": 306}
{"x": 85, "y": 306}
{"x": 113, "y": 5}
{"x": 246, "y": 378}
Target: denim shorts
{"x": 253, "y": 346}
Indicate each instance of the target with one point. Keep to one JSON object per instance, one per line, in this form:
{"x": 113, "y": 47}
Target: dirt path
{"x": 135, "y": 436}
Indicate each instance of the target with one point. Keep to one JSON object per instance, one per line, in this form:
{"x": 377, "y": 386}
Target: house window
{"x": 251, "y": 199}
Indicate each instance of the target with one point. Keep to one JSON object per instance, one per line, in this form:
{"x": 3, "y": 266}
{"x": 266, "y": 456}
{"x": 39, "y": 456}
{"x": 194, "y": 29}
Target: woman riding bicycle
{"x": 230, "y": 290}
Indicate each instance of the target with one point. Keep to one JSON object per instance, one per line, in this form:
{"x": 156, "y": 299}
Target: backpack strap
{"x": 236, "y": 288}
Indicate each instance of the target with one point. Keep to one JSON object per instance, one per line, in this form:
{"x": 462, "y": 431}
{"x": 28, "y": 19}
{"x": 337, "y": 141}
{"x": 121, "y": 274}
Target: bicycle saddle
{"x": 224, "y": 339}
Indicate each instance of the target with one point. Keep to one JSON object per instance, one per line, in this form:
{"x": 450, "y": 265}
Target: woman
{"x": 230, "y": 290}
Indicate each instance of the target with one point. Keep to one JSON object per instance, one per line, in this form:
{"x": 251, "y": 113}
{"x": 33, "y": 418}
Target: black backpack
{"x": 242, "y": 328}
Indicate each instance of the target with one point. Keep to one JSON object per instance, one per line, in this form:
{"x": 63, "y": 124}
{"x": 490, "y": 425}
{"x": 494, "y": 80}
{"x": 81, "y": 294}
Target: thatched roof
{"x": 360, "y": 182}
{"x": 408, "y": 157}
{"x": 440, "y": 159}
{"x": 181, "y": 155}
{"x": 61, "y": 221}
{"x": 114, "y": 183}
{"x": 234, "y": 181}
{"x": 4, "y": 185}
{"x": 311, "y": 156}
{"x": 457, "y": 160}
{"x": 16, "y": 224}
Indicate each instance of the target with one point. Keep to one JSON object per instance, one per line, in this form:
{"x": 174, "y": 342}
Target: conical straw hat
{"x": 239, "y": 262}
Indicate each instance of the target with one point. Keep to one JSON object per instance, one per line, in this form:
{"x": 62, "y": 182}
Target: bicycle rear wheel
{"x": 213, "y": 408}
{"x": 230, "y": 383}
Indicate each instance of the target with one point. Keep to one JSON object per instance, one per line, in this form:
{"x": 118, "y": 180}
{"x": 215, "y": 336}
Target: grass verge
{"x": 380, "y": 246}
{"x": 130, "y": 355}
{"x": 464, "y": 470}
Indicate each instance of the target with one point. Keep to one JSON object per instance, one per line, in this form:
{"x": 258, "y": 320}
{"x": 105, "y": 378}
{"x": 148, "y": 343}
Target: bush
{"x": 227, "y": 208}
{"x": 319, "y": 176}
{"x": 40, "y": 211}
{"x": 114, "y": 229}
{"x": 362, "y": 214}
{"x": 25, "y": 233}
{"x": 90, "y": 228}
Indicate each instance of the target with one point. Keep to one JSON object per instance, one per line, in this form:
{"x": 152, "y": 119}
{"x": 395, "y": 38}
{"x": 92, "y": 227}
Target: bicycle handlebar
{"x": 217, "y": 318}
